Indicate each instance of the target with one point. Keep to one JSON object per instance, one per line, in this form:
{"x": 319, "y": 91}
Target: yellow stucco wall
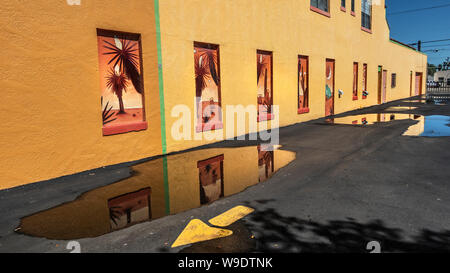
{"x": 288, "y": 28}
{"x": 52, "y": 124}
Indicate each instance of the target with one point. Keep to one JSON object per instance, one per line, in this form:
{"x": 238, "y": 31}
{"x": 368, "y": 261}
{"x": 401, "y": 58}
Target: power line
{"x": 416, "y": 10}
{"x": 436, "y": 50}
{"x": 436, "y": 45}
{"x": 435, "y": 41}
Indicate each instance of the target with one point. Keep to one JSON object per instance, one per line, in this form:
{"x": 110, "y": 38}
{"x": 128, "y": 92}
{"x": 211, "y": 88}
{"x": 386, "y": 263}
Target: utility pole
{"x": 419, "y": 45}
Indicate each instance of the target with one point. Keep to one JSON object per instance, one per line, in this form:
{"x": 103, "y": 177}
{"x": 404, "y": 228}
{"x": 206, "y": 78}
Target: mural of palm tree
{"x": 117, "y": 82}
{"x": 205, "y": 69}
{"x": 107, "y": 115}
{"x": 262, "y": 65}
{"x": 123, "y": 54}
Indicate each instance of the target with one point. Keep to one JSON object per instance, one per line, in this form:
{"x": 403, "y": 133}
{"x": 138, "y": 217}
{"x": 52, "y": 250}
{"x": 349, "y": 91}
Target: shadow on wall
{"x": 291, "y": 234}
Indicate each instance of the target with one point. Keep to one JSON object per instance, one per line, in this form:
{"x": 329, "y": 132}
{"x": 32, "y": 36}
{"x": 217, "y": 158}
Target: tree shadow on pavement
{"x": 277, "y": 233}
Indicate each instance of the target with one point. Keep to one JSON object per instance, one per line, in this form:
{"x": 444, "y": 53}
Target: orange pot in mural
{"x": 121, "y": 82}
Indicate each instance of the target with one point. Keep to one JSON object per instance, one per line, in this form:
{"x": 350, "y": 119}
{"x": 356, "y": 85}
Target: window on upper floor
{"x": 353, "y": 6}
{"x": 343, "y": 4}
{"x": 366, "y": 14}
{"x": 394, "y": 80}
{"x": 321, "y": 5}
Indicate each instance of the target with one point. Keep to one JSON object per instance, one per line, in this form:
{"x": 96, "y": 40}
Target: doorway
{"x": 383, "y": 95}
{"x": 418, "y": 90}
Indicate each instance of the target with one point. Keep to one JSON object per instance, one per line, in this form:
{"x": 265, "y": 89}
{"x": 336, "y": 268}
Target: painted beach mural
{"x": 122, "y": 92}
{"x": 303, "y": 85}
{"x": 329, "y": 88}
{"x": 265, "y": 86}
{"x": 207, "y": 87}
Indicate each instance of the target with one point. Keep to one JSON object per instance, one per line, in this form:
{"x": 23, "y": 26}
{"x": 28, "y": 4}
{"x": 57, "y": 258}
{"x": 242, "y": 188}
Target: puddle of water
{"x": 158, "y": 188}
{"x": 368, "y": 119}
{"x": 426, "y": 126}
{"x": 430, "y": 126}
{"x": 400, "y": 108}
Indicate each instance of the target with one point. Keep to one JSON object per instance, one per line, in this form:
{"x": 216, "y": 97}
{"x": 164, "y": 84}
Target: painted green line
{"x": 160, "y": 79}
{"x": 166, "y": 185}
{"x": 162, "y": 107}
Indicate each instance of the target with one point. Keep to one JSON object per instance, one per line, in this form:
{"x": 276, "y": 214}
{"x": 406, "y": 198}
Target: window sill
{"x": 353, "y": 13}
{"x": 303, "y": 110}
{"x": 209, "y": 127}
{"x": 124, "y": 128}
{"x": 343, "y": 9}
{"x": 366, "y": 30}
{"x": 364, "y": 97}
{"x": 322, "y": 12}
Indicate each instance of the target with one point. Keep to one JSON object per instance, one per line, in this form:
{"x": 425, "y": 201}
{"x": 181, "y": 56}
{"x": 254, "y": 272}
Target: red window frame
{"x": 302, "y": 109}
{"x": 320, "y": 11}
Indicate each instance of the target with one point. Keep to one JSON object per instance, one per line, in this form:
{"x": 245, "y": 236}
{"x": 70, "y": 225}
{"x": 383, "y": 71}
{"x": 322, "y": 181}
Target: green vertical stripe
{"x": 166, "y": 185}
{"x": 160, "y": 79}
{"x": 162, "y": 107}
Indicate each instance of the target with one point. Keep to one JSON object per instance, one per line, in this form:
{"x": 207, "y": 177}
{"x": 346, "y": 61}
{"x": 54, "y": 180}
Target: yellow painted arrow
{"x": 229, "y": 217}
{"x": 197, "y": 231}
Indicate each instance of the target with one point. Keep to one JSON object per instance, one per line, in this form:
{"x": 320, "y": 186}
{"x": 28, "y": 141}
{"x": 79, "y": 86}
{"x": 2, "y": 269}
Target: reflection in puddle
{"x": 157, "y": 188}
{"x": 430, "y": 126}
{"x": 368, "y": 119}
{"x": 400, "y": 108}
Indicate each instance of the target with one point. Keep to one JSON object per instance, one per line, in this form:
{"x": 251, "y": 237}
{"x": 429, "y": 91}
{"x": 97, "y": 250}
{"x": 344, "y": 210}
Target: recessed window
{"x": 394, "y": 80}
{"x": 121, "y": 82}
{"x": 364, "y": 96}
{"x": 355, "y": 81}
{"x": 353, "y": 6}
{"x": 321, "y": 6}
{"x": 303, "y": 84}
{"x": 265, "y": 87}
{"x": 207, "y": 87}
{"x": 366, "y": 14}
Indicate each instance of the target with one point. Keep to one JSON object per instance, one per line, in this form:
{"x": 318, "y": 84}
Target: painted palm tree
{"x": 117, "y": 82}
{"x": 107, "y": 114}
{"x": 124, "y": 55}
{"x": 205, "y": 70}
{"x": 262, "y": 66}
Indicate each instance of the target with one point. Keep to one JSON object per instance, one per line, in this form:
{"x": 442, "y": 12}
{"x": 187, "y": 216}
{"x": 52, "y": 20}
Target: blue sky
{"x": 425, "y": 25}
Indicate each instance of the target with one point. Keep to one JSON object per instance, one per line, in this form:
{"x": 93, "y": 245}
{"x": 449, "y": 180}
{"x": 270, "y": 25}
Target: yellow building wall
{"x": 52, "y": 124}
{"x": 288, "y": 28}
{"x": 51, "y": 109}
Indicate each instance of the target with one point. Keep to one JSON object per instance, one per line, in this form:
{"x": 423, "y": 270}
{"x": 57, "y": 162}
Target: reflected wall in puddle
{"x": 368, "y": 119}
{"x": 431, "y": 126}
{"x": 153, "y": 191}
